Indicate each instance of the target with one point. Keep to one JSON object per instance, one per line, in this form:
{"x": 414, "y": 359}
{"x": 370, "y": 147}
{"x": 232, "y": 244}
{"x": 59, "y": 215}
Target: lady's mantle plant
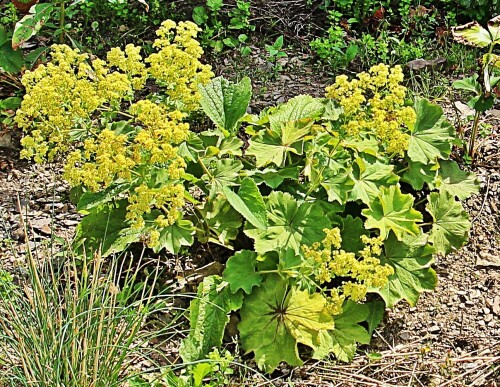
{"x": 330, "y": 202}
{"x": 340, "y": 197}
{"x": 126, "y": 162}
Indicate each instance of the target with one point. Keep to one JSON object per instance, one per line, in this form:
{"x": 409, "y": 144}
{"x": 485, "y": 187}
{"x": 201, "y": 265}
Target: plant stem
{"x": 472, "y": 139}
{"x": 62, "y": 16}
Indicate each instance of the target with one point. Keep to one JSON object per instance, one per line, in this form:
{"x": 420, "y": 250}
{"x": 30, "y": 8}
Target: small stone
{"x": 469, "y": 303}
{"x": 434, "y": 329}
{"x": 461, "y": 305}
{"x": 486, "y": 310}
{"x": 488, "y": 260}
{"x": 492, "y": 323}
{"x": 405, "y": 336}
{"x": 488, "y": 317}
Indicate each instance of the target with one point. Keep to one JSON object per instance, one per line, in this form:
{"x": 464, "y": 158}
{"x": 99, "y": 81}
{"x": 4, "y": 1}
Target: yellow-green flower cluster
{"x": 61, "y": 97}
{"x": 329, "y": 261}
{"x": 67, "y": 95}
{"x": 131, "y": 63}
{"x": 373, "y": 104}
{"x": 72, "y": 104}
{"x": 176, "y": 65}
{"x": 103, "y": 160}
{"x": 168, "y": 198}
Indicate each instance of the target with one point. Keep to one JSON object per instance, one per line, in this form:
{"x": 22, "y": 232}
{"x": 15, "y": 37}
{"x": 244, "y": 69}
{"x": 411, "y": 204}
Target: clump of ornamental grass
{"x": 82, "y": 324}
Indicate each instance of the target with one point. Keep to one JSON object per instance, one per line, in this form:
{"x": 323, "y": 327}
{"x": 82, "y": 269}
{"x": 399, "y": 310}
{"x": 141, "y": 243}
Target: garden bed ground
{"x": 451, "y": 338}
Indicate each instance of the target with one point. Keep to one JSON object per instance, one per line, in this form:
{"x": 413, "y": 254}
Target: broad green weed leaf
{"x": 173, "y": 237}
{"x": 468, "y": 84}
{"x": 30, "y": 24}
{"x": 249, "y": 203}
{"x": 224, "y": 102}
{"x": 11, "y": 60}
{"x": 208, "y": 316}
{"x": 419, "y": 174}
{"x": 298, "y": 108}
{"x": 341, "y": 341}
{"x": 432, "y": 136}
{"x": 275, "y": 317}
{"x": 240, "y": 271}
{"x": 451, "y": 223}
{"x": 473, "y": 34}
{"x": 392, "y": 210}
{"x": 369, "y": 179}
{"x": 290, "y": 224}
{"x": 376, "y": 310}
{"x": 105, "y": 229}
{"x": 456, "y": 182}
{"x": 91, "y": 199}
{"x": 411, "y": 259}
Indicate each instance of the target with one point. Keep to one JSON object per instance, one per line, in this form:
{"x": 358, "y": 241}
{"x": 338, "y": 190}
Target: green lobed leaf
{"x": 248, "y": 202}
{"x": 456, "y": 182}
{"x": 451, "y": 223}
{"x": 240, "y": 271}
{"x": 290, "y": 224}
{"x": 338, "y": 186}
{"x": 352, "y": 229}
{"x": 419, "y": 174}
{"x": 341, "y": 341}
{"x": 392, "y": 210}
{"x": 272, "y": 146}
{"x": 30, "y": 24}
{"x": 289, "y": 124}
{"x": 220, "y": 222}
{"x": 411, "y": 259}
{"x": 221, "y": 173}
{"x": 208, "y": 316}
{"x": 173, "y": 237}
{"x": 432, "y": 136}
{"x": 275, "y": 317}
{"x": 224, "y": 102}
{"x": 369, "y": 179}
{"x": 274, "y": 177}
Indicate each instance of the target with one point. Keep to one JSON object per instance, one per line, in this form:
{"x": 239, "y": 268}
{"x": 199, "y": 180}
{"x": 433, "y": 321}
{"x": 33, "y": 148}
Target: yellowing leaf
{"x": 275, "y": 317}
{"x": 392, "y": 210}
{"x": 341, "y": 341}
{"x": 472, "y": 34}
